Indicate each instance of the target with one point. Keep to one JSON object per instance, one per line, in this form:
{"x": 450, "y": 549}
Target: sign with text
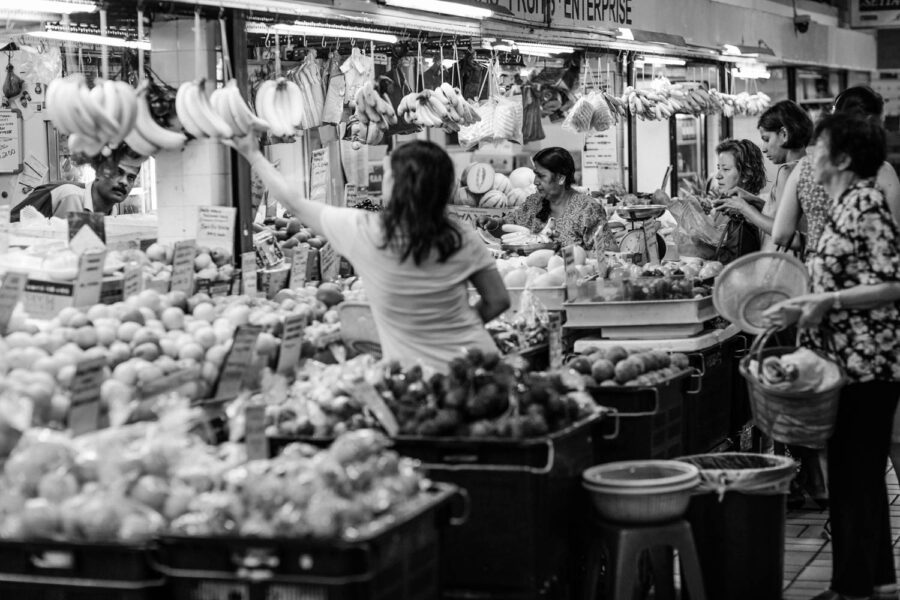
{"x": 133, "y": 281}
{"x": 875, "y": 13}
{"x": 554, "y": 340}
{"x": 89, "y": 280}
{"x": 87, "y": 232}
{"x": 320, "y": 178}
{"x": 329, "y": 263}
{"x": 568, "y": 254}
{"x": 183, "y": 266}
{"x": 238, "y": 361}
{"x": 601, "y": 149}
{"x": 365, "y": 392}
{"x": 255, "y": 440}
{"x": 576, "y": 14}
{"x": 299, "y": 264}
{"x": 215, "y": 227}
{"x": 10, "y": 141}
{"x": 291, "y": 343}
{"x": 10, "y": 293}
{"x": 248, "y": 273}
{"x": 84, "y": 411}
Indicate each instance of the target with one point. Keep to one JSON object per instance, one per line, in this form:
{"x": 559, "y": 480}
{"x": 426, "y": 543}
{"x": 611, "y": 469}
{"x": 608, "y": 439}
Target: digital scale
{"x": 645, "y": 249}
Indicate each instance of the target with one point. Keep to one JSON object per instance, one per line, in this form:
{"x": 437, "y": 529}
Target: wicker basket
{"x": 798, "y": 418}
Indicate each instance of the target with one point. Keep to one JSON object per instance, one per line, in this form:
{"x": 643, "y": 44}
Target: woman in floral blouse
{"x": 578, "y": 218}
{"x": 855, "y": 276}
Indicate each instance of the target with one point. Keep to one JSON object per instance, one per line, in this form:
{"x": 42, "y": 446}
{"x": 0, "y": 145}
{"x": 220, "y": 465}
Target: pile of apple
{"x": 290, "y": 233}
{"x": 480, "y": 186}
{"x": 616, "y": 366}
{"x": 212, "y": 264}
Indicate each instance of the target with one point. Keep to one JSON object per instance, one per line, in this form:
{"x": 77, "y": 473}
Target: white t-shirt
{"x": 422, "y": 312}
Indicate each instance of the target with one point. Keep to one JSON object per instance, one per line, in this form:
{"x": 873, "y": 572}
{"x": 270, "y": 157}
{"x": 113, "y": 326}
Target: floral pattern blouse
{"x": 814, "y": 201}
{"x": 860, "y": 245}
{"x": 583, "y": 221}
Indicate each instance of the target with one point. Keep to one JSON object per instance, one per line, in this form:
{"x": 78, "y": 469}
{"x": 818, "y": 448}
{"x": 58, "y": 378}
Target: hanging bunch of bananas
{"x": 751, "y": 104}
{"x": 196, "y": 113}
{"x": 724, "y": 102}
{"x": 230, "y": 105}
{"x": 96, "y": 119}
{"x": 617, "y": 107}
{"x": 459, "y": 112}
{"x": 374, "y": 116}
{"x": 649, "y": 105}
{"x": 697, "y": 102}
{"x": 424, "y": 109}
{"x": 279, "y": 103}
{"x": 147, "y": 137}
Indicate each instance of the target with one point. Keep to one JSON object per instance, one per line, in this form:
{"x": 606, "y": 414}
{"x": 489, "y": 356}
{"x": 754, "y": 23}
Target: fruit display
{"x": 669, "y": 280}
{"x": 615, "y": 366}
{"x": 197, "y": 115}
{"x": 213, "y": 264}
{"x": 443, "y": 107}
{"x": 480, "y": 186}
{"x": 231, "y": 106}
{"x": 542, "y": 269}
{"x": 290, "y": 233}
{"x": 96, "y": 119}
{"x": 279, "y": 103}
{"x": 148, "y": 137}
{"x": 374, "y": 116}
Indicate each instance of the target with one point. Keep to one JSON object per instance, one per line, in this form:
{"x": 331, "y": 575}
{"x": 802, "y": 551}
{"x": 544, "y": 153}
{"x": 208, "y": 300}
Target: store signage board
{"x": 84, "y": 411}
{"x": 329, "y": 263}
{"x": 554, "y": 340}
{"x": 13, "y": 287}
{"x": 183, "y": 266}
{"x": 576, "y": 14}
{"x": 133, "y": 281}
{"x": 237, "y": 363}
{"x": 215, "y": 227}
{"x": 291, "y": 343}
{"x": 255, "y": 440}
{"x": 321, "y": 176}
{"x": 89, "y": 279}
{"x": 601, "y": 149}
{"x": 249, "y": 274}
{"x": 87, "y": 232}
{"x": 875, "y": 13}
{"x": 299, "y": 264}
{"x": 11, "y": 159}
{"x": 366, "y": 393}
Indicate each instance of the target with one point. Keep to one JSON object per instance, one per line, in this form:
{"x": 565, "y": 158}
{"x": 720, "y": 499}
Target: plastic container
{"x": 641, "y": 492}
{"x": 649, "y": 312}
{"x": 399, "y": 562}
{"x": 68, "y": 571}
{"x": 738, "y": 521}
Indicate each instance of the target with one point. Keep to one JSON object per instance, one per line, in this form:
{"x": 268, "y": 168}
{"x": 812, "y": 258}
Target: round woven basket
{"x": 798, "y": 418}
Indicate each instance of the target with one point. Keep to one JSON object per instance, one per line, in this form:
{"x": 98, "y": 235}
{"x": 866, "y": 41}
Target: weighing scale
{"x": 645, "y": 249}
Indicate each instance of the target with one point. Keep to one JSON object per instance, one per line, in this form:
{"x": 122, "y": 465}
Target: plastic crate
{"x": 650, "y": 420}
{"x": 397, "y": 562}
{"x": 708, "y": 405}
{"x": 69, "y": 571}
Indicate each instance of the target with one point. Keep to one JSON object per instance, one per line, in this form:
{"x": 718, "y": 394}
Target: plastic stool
{"x": 623, "y": 545}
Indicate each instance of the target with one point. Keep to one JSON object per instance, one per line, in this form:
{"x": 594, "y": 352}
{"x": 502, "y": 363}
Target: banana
{"x": 246, "y": 120}
{"x": 139, "y": 144}
{"x": 219, "y": 102}
{"x": 282, "y": 107}
{"x": 150, "y": 130}
{"x": 105, "y": 127}
{"x": 184, "y": 116}
{"x": 127, "y": 109}
{"x": 204, "y": 114}
{"x": 265, "y": 108}
{"x": 83, "y": 144}
{"x": 58, "y": 110}
{"x": 294, "y": 103}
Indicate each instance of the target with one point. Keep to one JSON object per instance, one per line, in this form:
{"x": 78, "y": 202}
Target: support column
{"x": 200, "y": 173}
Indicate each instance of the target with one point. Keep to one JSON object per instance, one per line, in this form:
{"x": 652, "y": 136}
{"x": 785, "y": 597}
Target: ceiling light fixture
{"x": 22, "y": 15}
{"x": 465, "y": 10}
{"x": 625, "y": 34}
{"x": 312, "y": 30}
{"x": 87, "y": 38}
{"x": 272, "y": 6}
{"x": 661, "y": 61}
{"x": 751, "y": 71}
{"x": 49, "y": 6}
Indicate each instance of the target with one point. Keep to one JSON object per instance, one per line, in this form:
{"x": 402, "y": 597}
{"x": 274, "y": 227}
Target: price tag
{"x": 554, "y": 340}
{"x": 366, "y": 392}
{"x": 89, "y": 279}
{"x": 215, "y": 227}
{"x": 329, "y": 263}
{"x": 10, "y": 294}
{"x": 568, "y": 254}
{"x": 238, "y": 362}
{"x": 255, "y": 439}
{"x": 84, "y": 412}
{"x": 291, "y": 342}
{"x": 248, "y": 273}
{"x": 183, "y": 266}
{"x": 87, "y": 232}
{"x": 133, "y": 281}
{"x": 299, "y": 264}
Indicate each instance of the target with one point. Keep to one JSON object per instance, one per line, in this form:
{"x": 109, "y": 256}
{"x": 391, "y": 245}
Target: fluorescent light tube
{"x": 22, "y": 15}
{"x": 545, "y": 48}
{"x": 49, "y": 6}
{"x": 86, "y": 38}
{"x": 731, "y": 50}
{"x": 625, "y": 34}
{"x": 323, "y": 31}
{"x": 444, "y": 7}
{"x": 663, "y": 60}
{"x": 273, "y": 6}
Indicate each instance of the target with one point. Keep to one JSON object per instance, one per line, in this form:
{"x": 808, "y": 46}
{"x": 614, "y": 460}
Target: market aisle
{"x": 807, "y": 556}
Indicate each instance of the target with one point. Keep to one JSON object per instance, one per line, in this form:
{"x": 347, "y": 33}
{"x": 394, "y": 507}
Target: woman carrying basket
{"x": 855, "y": 277}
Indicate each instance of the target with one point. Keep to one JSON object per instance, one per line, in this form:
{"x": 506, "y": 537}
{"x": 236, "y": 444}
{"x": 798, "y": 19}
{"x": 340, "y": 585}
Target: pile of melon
{"x": 540, "y": 269}
{"x": 480, "y": 186}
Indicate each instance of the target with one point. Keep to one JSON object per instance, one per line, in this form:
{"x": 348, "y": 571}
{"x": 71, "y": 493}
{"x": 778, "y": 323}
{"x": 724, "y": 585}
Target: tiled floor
{"x": 807, "y": 552}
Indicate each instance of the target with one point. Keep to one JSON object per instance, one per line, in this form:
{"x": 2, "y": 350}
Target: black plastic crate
{"x": 35, "y": 570}
{"x": 708, "y": 404}
{"x": 526, "y": 505}
{"x": 398, "y": 562}
{"x": 649, "y": 420}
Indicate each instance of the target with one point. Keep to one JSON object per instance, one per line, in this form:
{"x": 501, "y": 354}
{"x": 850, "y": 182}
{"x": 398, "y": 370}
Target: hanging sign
{"x": 215, "y": 227}
{"x": 321, "y": 176}
{"x": 601, "y": 149}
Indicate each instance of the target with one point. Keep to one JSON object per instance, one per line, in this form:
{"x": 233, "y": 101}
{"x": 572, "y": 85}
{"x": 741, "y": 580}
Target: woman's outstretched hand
{"x": 806, "y": 311}
{"x": 247, "y": 146}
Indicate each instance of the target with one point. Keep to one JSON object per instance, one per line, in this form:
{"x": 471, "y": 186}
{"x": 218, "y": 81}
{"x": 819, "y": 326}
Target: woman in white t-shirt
{"x": 415, "y": 261}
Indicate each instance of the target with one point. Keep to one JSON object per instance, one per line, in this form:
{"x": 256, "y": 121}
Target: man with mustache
{"x": 114, "y": 182}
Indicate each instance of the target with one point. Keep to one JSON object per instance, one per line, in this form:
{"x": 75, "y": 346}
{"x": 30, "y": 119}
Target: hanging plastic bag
{"x": 12, "y": 87}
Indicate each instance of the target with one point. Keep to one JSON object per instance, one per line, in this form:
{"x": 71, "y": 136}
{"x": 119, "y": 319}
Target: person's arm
{"x": 739, "y": 204}
{"x": 889, "y": 183}
{"x": 807, "y": 311}
{"x": 494, "y": 296}
{"x": 309, "y": 213}
{"x": 787, "y": 217}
